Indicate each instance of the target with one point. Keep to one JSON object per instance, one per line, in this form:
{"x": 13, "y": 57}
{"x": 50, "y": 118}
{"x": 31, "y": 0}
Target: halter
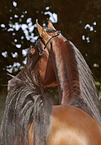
{"x": 41, "y": 53}
{"x": 55, "y": 35}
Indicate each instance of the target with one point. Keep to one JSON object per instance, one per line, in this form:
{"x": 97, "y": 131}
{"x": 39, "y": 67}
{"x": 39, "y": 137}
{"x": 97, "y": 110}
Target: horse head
{"x": 40, "y": 61}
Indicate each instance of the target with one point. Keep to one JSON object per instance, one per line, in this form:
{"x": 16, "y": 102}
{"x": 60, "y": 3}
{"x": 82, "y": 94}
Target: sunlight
{"x": 4, "y": 54}
{"x": 3, "y": 25}
{"x": 14, "y": 4}
{"x": 53, "y": 17}
{"x": 18, "y": 45}
{"x": 24, "y": 52}
{"x": 90, "y": 27}
{"x": 14, "y": 55}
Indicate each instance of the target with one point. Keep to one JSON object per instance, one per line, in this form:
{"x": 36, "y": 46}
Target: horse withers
{"x": 69, "y": 126}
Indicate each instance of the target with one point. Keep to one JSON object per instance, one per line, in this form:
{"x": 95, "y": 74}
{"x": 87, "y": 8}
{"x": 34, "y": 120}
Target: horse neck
{"x": 75, "y": 81}
{"x": 66, "y": 71}
{"x": 88, "y": 90}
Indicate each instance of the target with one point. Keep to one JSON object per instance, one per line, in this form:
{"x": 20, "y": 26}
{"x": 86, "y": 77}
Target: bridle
{"x": 55, "y": 35}
{"x": 42, "y": 52}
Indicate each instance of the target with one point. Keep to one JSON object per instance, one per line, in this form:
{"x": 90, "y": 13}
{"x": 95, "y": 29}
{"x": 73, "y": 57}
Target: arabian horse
{"x": 74, "y": 78}
{"x": 56, "y": 73}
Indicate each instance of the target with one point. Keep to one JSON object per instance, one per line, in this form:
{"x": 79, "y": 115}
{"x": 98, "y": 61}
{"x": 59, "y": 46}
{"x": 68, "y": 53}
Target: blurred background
{"x": 78, "y": 20}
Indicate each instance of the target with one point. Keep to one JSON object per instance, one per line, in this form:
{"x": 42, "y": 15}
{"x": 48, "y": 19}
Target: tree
{"x": 78, "y": 21}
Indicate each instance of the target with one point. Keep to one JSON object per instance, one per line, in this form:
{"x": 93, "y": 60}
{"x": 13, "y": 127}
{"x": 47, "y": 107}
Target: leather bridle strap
{"x": 51, "y": 38}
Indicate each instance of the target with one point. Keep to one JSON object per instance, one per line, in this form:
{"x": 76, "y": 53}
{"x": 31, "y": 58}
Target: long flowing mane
{"x": 88, "y": 90}
{"x": 24, "y": 105}
{"x": 75, "y": 79}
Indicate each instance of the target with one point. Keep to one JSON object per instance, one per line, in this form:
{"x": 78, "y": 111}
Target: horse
{"x": 74, "y": 78}
{"x": 56, "y": 73}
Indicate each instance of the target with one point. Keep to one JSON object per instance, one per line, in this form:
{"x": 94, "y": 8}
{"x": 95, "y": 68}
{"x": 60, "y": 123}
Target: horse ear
{"x": 50, "y": 25}
{"x": 42, "y": 32}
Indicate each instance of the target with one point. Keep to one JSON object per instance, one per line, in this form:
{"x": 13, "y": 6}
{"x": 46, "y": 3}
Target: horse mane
{"x": 27, "y": 102}
{"x": 75, "y": 80}
{"x": 88, "y": 94}
{"x": 24, "y": 105}
{"x": 19, "y": 111}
